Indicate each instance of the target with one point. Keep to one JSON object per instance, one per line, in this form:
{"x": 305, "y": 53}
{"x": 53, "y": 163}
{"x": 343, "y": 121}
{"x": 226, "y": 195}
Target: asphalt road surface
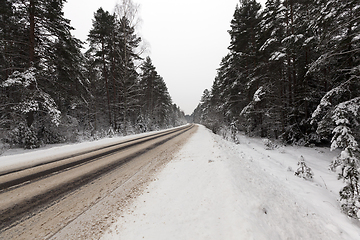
{"x": 61, "y": 196}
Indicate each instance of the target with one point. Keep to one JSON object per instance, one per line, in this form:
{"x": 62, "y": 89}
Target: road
{"x": 37, "y": 201}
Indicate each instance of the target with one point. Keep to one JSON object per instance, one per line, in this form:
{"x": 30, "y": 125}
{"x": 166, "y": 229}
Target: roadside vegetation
{"x": 293, "y": 74}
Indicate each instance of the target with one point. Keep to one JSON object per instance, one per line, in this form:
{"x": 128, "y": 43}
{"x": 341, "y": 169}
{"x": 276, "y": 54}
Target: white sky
{"x": 187, "y": 39}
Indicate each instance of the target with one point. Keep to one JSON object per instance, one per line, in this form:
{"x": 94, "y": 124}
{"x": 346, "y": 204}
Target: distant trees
{"x": 101, "y": 47}
{"x": 112, "y": 44}
{"x": 51, "y": 92}
{"x": 157, "y": 109}
{"x": 293, "y": 72}
{"x": 125, "y": 95}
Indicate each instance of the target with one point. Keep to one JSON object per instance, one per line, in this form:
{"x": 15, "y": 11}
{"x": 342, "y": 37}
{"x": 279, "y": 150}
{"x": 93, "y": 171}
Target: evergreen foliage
{"x": 293, "y": 73}
{"x": 303, "y": 171}
{"x": 346, "y": 117}
{"x": 51, "y": 92}
{"x": 282, "y": 60}
{"x": 156, "y": 101}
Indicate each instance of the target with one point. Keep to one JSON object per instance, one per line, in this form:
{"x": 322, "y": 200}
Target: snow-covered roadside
{"x": 214, "y": 189}
{"x": 18, "y": 157}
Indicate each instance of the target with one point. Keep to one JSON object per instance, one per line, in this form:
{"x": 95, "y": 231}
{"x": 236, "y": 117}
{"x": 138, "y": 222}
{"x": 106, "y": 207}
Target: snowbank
{"x": 18, "y": 158}
{"x": 214, "y": 189}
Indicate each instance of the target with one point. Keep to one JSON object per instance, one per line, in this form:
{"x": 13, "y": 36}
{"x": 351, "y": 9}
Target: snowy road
{"x": 210, "y": 189}
{"x": 55, "y": 194}
{"x": 214, "y": 189}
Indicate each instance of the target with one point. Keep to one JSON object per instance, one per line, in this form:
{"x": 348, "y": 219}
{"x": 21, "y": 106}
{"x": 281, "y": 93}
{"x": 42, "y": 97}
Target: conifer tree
{"x": 147, "y": 84}
{"x": 100, "y": 48}
{"x": 129, "y": 79}
{"x": 243, "y": 59}
{"x": 37, "y": 41}
{"x": 156, "y": 102}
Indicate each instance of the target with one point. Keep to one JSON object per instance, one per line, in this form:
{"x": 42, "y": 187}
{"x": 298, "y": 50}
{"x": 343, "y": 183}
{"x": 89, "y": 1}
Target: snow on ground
{"x": 17, "y": 158}
{"x": 214, "y": 189}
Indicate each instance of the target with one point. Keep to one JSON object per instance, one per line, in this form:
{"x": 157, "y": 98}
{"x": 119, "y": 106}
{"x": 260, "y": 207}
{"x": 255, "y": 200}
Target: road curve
{"x": 28, "y": 187}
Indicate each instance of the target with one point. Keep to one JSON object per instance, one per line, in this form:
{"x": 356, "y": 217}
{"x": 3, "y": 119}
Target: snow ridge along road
{"x": 215, "y": 189}
{"x": 29, "y": 187}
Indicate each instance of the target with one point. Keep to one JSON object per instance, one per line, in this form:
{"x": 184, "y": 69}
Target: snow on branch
{"x": 275, "y": 56}
{"x": 293, "y": 37}
{"x": 247, "y": 109}
{"x": 258, "y": 94}
{"x": 256, "y": 98}
{"x": 51, "y": 108}
{"x": 23, "y": 79}
{"x": 304, "y": 171}
{"x": 325, "y": 102}
{"x": 317, "y": 63}
{"x": 341, "y": 116}
{"x": 31, "y": 100}
{"x": 345, "y": 115}
{"x": 267, "y": 44}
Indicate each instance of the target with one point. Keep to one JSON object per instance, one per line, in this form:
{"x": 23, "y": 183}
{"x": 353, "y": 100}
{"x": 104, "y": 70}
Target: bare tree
{"x": 131, "y": 11}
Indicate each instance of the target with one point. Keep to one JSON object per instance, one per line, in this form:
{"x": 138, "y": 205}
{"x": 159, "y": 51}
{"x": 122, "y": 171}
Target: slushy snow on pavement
{"x": 214, "y": 189}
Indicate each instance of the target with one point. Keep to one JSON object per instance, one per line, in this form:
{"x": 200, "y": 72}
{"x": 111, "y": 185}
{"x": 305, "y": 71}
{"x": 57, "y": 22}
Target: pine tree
{"x": 345, "y": 115}
{"x": 342, "y": 118}
{"x": 36, "y": 40}
{"x": 128, "y": 76}
{"x": 156, "y": 102}
{"x": 24, "y": 100}
{"x": 14, "y": 40}
{"x": 272, "y": 60}
{"x": 147, "y": 84}
{"x": 304, "y": 171}
{"x": 338, "y": 111}
{"x": 100, "y": 38}
{"x": 244, "y": 48}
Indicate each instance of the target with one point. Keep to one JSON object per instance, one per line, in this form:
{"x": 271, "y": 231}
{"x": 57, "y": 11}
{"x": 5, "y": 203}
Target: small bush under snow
{"x": 304, "y": 171}
{"x": 270, "y": 145}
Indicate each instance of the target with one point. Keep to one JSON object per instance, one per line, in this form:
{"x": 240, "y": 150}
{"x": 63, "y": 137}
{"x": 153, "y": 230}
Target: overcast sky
{"x": 186, "y": 39}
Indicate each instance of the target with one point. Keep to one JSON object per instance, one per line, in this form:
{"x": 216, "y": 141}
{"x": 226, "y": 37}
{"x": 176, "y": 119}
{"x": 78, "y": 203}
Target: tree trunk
{"x": 32, "y": 33}
{"x": 106, "y": 83}
{"x": 114, "y": 89}
{"x": 30, "y": 115}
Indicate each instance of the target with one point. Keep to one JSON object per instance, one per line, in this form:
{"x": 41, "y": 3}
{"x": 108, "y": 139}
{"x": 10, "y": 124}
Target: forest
{"x": 292, "y": 73}
{"x": 53, "y": 90}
